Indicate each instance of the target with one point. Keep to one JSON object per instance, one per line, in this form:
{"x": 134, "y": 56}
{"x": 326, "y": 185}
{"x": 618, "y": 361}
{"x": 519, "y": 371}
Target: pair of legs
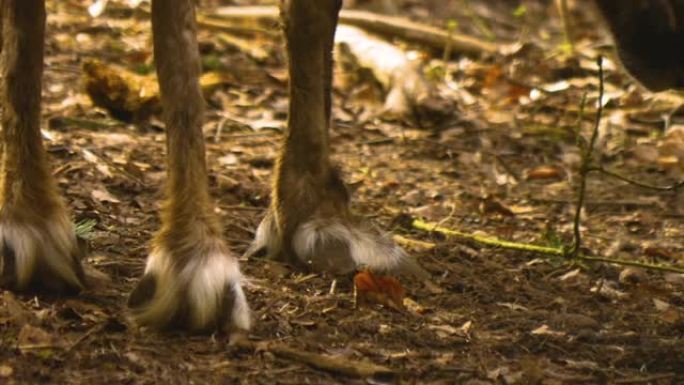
{"x": 191, "y": 279}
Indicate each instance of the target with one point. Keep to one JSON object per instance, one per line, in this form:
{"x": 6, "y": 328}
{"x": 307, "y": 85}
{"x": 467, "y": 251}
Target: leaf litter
{"x": 500, "y": 160}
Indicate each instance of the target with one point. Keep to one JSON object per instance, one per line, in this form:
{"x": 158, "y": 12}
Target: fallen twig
{"x": 323, "y": 362}
{"x": 673, "y": 187}
{"x": 413, "y": 243}
{"x": 487, "y": 240}
{"x": 252, "y": 50}
{"x": 209, "y": 23}
{"x": 391, "y": 26}
{"x": 93, "y": 330}
{"x": 616, "y": 202}
{"x": 537, "y": 249}
{"x": 646, "y": 379}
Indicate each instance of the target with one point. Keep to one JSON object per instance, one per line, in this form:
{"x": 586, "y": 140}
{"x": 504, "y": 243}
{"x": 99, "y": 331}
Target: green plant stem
{"x": 672, "y": 187}
{"x": 537, "y": 249}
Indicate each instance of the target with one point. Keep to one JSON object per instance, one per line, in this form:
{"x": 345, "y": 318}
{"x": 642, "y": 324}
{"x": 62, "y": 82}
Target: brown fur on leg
{"x": 191, "y": 279}
{"x": 39, "y": 244}
{"x": 306, "y": 183}
{"x": 309, "y": 221}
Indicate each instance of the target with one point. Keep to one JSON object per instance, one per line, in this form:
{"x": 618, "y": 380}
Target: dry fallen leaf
{"x": 6, "y": 371}
{"x": 33, "y": 338}
{"x": 380, "y": 289}
{"x": 544, "y": 173}
{"x": 103, "y": 196}
{"x": 671, "y": 316}
{"x": 545, "y": 330}
{"x": 13, "y": 311}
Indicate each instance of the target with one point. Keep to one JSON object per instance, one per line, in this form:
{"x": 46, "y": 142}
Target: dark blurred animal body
{"x": 649, "y": 37}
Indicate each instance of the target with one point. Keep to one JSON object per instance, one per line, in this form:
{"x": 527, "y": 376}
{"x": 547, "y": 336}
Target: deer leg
{"x": 39, "y": 248}
{"x": 309, "y": 221}
{"x": 191, "y": 279}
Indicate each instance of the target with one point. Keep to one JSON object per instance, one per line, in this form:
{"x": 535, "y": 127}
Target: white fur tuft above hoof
{"x": 333, "y": 245}
{"x": 266, "y": 242}
{"x": 338, "y": 247}
{"x": 198, "y": 292}
{"x": 43, "y": 256}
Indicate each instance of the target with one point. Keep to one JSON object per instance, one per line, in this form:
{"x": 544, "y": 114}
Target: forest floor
{"x": 500, "y": 160}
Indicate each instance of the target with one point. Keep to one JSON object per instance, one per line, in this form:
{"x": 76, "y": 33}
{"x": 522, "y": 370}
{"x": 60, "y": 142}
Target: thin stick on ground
{"x": 673, "y": 187}
{"x": 557, "y": 252}
{"x": 342, "y": 366}
{"x": 390, "y": 26}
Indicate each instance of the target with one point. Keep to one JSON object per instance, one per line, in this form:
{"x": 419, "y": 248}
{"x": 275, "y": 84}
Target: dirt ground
{"x": 496, "y": 160}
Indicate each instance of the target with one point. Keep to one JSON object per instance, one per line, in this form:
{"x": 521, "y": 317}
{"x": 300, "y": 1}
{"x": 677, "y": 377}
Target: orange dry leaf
{"x": 381, "y": 289}
{"x": 544, "y": 173}
{"x": 492, "y": 76}
{"x": 501, "y": 88}
{"x": 517, "y": 92}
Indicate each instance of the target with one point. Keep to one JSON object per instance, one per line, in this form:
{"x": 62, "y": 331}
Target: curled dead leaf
{"x": 544, "y": 173}
{"x": 373, "y": 288}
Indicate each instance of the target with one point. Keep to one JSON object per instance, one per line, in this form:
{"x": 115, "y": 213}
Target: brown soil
{"x": 502, "y": 317}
